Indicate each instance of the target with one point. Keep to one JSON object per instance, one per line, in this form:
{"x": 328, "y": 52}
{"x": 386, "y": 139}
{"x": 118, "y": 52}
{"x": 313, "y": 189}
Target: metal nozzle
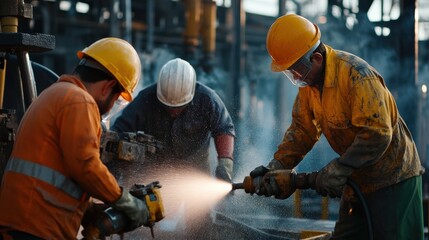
{"x": 237, "y": 186}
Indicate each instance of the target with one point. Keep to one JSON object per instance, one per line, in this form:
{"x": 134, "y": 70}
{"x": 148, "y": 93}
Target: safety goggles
{"x": 300, "y": 69}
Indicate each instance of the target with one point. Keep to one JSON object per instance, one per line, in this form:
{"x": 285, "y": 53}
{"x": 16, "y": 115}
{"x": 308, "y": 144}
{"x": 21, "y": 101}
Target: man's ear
{"x": 317, "y": 57}
{"x": 108, "y": 87}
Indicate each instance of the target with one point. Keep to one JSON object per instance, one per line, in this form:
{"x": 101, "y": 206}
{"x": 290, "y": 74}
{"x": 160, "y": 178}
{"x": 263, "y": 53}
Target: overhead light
{"x": 82, "y": 7}
{"x": 65, "y": 5}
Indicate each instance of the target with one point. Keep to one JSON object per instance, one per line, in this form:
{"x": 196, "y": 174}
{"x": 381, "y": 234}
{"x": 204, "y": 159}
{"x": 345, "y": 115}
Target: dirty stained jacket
{"x": 360, "y": 120}
{"x": 187, "y": 137}
{"x": 55, "y": 164}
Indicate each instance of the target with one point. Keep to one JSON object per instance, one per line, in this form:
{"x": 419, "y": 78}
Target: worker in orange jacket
{"x": 55, "y": 164}
{"x": 342, "y": 97}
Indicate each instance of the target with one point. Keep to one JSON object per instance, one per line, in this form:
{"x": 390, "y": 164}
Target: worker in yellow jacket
{"x": 343, "y": 97}
{"x": 55, "y": 164}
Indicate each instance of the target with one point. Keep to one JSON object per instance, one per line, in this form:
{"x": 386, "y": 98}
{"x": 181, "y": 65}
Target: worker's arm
{"x": 374, "y": 115}
{"x": 225, "y": 148}
{"x": 80, "y": 131}
{"x": 300, "y": 137}
{"x": 223, "y": 131}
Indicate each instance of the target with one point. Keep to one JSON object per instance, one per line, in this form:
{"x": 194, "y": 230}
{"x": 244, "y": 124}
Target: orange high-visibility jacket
{"x": 359, "y": 118}
{"x": 55, "y": 164}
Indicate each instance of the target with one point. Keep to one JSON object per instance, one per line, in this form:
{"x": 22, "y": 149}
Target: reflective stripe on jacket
{"x": 359, "y": 118}
{"x": 55, "y": 164}
{"x": 45, "y": 174}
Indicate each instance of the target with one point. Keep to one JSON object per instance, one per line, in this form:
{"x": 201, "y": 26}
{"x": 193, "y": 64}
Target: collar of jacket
{"x": 72, "y": 79}
{"x": 331, "y": 68}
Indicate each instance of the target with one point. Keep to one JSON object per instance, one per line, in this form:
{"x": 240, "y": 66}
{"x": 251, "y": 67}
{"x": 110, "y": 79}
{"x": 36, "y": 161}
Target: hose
{"x": 362, "y": 201}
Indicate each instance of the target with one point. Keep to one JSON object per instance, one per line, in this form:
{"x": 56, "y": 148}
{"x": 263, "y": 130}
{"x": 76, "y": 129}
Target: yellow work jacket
{"x": 55, "y": 164}
{"x": 360, "y": 120}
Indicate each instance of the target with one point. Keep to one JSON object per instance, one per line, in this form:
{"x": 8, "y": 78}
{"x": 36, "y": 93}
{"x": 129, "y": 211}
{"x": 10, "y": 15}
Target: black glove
{"x": 134, "y": 208}
{"x": 224, "y": 169}
{"x": 90, "y": 230}
{"x": 331, "y": 179}
{"x": 259, "y": 171}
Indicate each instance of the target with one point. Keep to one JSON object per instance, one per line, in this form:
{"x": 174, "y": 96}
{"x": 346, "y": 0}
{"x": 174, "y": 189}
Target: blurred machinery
{"x": 127, "y": 146}
{"x": 20, "y": 44}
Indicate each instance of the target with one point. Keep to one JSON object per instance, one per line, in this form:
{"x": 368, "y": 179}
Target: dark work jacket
{"x": 188, "y": 135}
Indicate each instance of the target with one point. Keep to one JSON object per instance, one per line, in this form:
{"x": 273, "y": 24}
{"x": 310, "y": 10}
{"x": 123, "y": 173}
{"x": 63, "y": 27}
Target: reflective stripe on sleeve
{"x": 45, "y": 174}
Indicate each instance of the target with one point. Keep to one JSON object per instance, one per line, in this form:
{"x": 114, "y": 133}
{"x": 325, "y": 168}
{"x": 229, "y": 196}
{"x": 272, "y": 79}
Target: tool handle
{"x": 305, "y": 180}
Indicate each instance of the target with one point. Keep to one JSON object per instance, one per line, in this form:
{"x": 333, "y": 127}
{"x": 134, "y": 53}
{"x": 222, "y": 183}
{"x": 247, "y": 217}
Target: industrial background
{"x": 225, "y": 41}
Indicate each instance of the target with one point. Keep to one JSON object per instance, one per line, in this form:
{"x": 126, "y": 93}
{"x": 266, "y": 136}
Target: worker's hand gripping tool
{"x": 278, "y": 183}
{"x": 102, "y": 220}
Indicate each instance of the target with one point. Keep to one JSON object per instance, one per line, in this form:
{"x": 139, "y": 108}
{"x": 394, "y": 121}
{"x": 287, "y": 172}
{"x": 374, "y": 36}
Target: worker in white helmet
{"x": 183, "y": 114}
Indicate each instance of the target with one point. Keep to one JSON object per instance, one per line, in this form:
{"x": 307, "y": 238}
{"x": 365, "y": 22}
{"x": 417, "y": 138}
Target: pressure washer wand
{"x": 306, "y": 181}
{"x": 237, "y": 186}
{"x": 297, "y": 181}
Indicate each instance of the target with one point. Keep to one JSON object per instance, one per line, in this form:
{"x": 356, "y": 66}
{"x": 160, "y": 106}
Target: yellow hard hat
{"x": 289, "y": 38}
{"x": 119, "y": 58}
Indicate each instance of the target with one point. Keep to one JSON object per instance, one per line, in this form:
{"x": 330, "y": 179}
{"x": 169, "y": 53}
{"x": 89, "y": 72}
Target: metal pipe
{"x": 27, "y": 77}
{"x": 128, "y": 21}
{"x": 192, "y": 28}
{"x": 236, "y": 66}
{"x": 9, "y": 24}
{"x": 236, "y": 186}
{"x": 208, "y": 30}
{"x": 150, "y": 16}
{"x": 3, "y": 64}
{"x": 114, "y": 23}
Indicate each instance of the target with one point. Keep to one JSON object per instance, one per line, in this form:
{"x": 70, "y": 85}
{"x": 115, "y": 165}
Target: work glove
{"x": 331, "y": 179}
{"x": 262, "y": 170}
{"x": 135, "y": 209}
{"x": 280, "y": 183}
{"x": 90, "y": 230}
{"x": 224, "y": 169}
{"x": 277, "y": 183}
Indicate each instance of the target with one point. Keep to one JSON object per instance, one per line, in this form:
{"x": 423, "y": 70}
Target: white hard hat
{"x": 176, "y": 83}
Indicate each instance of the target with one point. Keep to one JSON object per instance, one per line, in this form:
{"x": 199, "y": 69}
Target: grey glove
{"x": 224, "y": 169}
{"x": 331, "y": 179}
{"x": 134, "y": 208}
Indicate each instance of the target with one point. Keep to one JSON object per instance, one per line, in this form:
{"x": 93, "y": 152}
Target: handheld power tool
{"x": 111, "y": 221}
{"x": 127, "y": 146}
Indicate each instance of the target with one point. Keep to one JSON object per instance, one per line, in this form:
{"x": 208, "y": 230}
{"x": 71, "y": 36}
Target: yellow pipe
{"x": 192, "y": 19}
{"x": 2, "y": 79}
{"x": 297, "y": 198}
{"x": 208, "y": 27}
{"x": 325, "y": 208}
{"x": 9, "y": 24}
